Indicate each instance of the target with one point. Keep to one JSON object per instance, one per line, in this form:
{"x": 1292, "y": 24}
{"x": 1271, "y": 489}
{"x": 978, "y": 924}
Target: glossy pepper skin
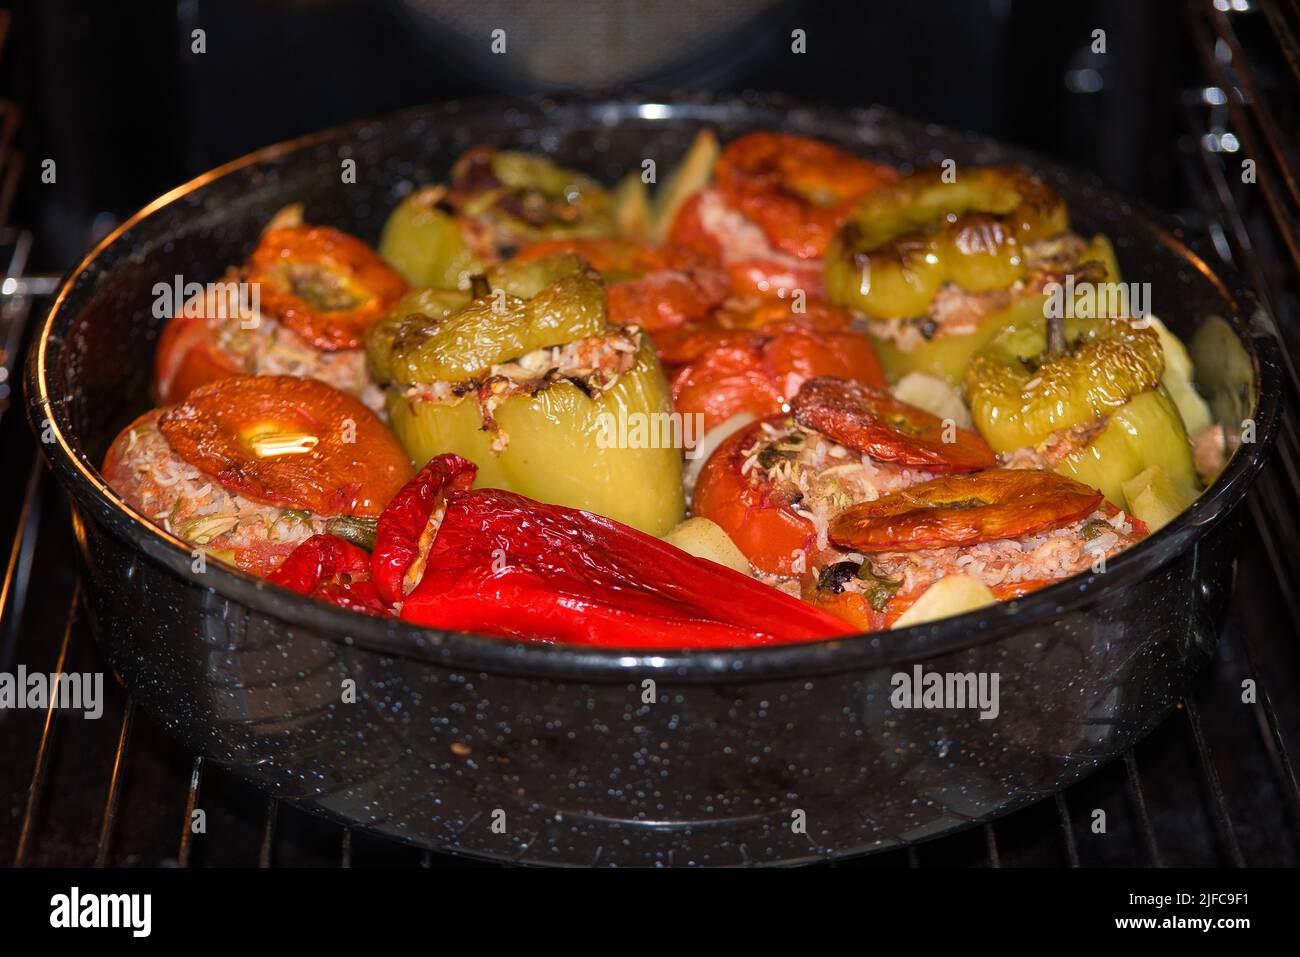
{"x": 1110, "y": 373}
{"x": 1145, "y": 431}
{"x": 425, "y": 241}
{"x": 406, "y": 528}
{"x": 559, "y": 440}
{"x": 506, "y": 565}
{"x": 332, "y": 570}
{"x": 513, "y": 319}
{"x": 947, "y": 355}
{"x": 497, "y": 203}
{"x": 902, "y": 242}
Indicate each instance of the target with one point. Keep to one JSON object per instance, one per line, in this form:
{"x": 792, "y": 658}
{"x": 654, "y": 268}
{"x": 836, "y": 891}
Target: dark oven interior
{"x": 1215, "y": 785}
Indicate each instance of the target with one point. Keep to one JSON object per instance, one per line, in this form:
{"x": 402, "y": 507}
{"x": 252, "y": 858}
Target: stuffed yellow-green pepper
{"x": 524, "y": 376}
{"x": 496, "y": 203}
{"x": 1084, "y": 397}
{"x": 939, "y": 268}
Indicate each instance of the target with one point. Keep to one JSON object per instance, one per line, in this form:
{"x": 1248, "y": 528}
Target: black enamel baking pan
{"x": 564, "y": 755}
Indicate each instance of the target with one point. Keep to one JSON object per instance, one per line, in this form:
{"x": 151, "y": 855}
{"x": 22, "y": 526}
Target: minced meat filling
{"x": 1049, "y": 555}
{"x": 593, "y": 365}
{"x": 956, "y": 311}
{"x": 262, "y": 346}
{"x": 817, "y": 477}
{"x": 1056, "y": 448}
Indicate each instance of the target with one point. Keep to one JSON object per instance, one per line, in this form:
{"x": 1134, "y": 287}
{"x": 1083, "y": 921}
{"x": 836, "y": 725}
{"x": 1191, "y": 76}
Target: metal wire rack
{"x": 1215, "y": 785}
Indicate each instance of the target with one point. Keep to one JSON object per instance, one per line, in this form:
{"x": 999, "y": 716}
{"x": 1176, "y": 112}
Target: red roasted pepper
{"x": 407, "y": 526}
{"x": 507, "y": 565}
{"x": 328, "y": 568}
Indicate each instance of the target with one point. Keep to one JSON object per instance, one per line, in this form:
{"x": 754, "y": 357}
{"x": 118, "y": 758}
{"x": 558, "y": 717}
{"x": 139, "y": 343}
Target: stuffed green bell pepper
{"x": 496, "y": 203}
{"x": 524, "y": 376}
{"x": 959, "y": 324}
{"x": 939, "y": 268}
{"x": 1084, "y": 398}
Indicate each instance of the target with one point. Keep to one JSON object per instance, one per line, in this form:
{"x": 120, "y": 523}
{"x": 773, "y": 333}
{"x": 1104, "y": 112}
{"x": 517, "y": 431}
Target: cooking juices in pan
{"x": 882, "y": 399}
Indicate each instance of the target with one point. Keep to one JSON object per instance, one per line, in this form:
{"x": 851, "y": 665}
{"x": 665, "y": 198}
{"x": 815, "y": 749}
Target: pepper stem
{"x": 1055, "y": 336}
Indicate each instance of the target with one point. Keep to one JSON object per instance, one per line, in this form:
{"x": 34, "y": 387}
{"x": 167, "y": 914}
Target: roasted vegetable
{"x": 705, "y": 539}
{"x": 326, "y": 286}
{"x": 936, "y": 396}
{"x": 530, "y": 383}
{"x": 776, "y": 202}
{"x": 497, "y": 203}
{"x": 1177, "y": 379}
{"x": 1103, "y": 381}
{"x": 1020, "y": 394}
{"x": 294, "y": 443}
{"x": 414, "y": 313}
{"x": 951, "y": 595}
{"x": 1154, "y": 498}
{"x": 428, "y": 244}
{"x": 796, "y": 189}
{"x": 653, "y": 287}
{"x": 904, "y": 241}
{"x": 871, "y": 420}
{"x": 405, "y": 530}
{"x": 505, "y": 565}
{"x": 755, "y": 514}
{"x": 964, "y": 510}
{"x": 511, "y": 321}
{"x": 942, "y": 345}
{"x": 332, "y": 570}
{"x": 753, "y": 358}
{"x": 1145, "y": 432}
{"x": 693, "y": 174}
{"x": 705, "y": 223}
{"x": 634, "y": 217}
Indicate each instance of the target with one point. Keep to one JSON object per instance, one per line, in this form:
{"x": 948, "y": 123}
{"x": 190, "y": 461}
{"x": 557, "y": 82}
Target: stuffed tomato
{"x": 300, "y": 305}
{"x": 247, "y": 468}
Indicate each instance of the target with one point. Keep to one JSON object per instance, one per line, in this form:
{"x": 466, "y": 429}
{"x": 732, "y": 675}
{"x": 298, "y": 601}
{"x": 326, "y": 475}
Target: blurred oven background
{"x": 117, "y": 95}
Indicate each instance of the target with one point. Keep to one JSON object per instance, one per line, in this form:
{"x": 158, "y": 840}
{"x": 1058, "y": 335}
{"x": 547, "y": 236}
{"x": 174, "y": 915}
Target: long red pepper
{"x": 333, "y": 570}
{"x": 404, "y": 532}
{"x": 506, "y": 565}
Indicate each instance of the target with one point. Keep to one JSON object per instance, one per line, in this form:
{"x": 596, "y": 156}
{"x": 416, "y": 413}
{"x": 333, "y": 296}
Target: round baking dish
{"x": 566, "y": 755}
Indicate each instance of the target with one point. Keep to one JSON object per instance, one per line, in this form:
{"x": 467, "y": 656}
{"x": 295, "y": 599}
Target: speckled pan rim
{"x": 1252, "y": 326}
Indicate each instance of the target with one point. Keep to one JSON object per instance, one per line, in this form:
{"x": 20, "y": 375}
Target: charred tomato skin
{"x": 796, "y": 189}
{"x": 289, "y": 258}
{"x": 350, "y": 464}
{"x": 871, "y": 420}
{"x": 752, "y": 360}
{"x": 764, "y": 277}
{"x": 961, "y": 510}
